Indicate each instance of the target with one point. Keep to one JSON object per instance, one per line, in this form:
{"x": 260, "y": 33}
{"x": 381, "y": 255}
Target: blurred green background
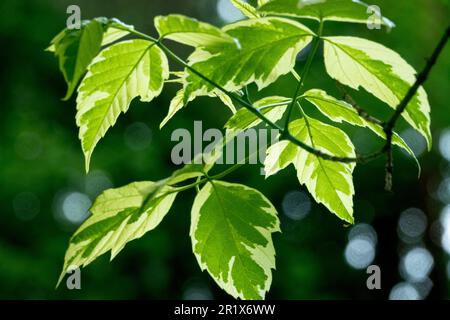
{"x": 45, "y": 193}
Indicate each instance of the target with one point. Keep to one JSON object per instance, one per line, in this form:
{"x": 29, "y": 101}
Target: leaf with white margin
{"x": 178, "y": 103}
{"x": 76, "y": 49}
{"x": 340, "y": 111}
{"x": 358, "y": 62}
{"x": 116, "y": 30}
{"x": 353, "y": 11}
{"x": 190, "y": 31}
{"x": 268, "y": 50}
{"x": 117, "y": 75}
{"x": 247, "y": 9}
{"x": 113, "y": 34}
{"x": 329, "y": 182}
{"x": 272, "y": 107}
{"x": 231, "y": 229}
{"x": 118, "y": 217}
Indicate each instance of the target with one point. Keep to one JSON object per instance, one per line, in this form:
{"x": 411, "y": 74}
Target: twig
{"x": 390, "y": 125}
{"x": 362, "y": 113}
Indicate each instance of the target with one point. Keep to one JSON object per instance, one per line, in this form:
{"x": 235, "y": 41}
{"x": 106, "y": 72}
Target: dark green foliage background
{"x": 310, "y": 260}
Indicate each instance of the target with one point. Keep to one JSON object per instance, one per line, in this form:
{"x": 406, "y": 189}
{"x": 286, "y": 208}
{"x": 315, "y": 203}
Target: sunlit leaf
{"x": 358, "y": 62}
{"x": 247, "y": 9}
{"x": 76, "y": 49}
{"x": 268, "y": 49}
{"x": 119, "y": 74}
{"x": 190, "y": 31}
{"x": 271, "y": 107}
{"x": 329, "y": 182}
{"x": 118, "y": 217}
{"x": 341, "y": 111}
{"x": 231, "y": 228}
{"x": 353, "y": 11}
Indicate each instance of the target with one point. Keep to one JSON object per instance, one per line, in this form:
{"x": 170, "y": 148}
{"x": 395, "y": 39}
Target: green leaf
{"x": 178, "y": 103}
{"x": 189, "y": 171}
{"x": 119, "y": 74}
{"x": 191, "y": 32}
{"x": 329, "y": 182}
{"x": 262, "y": 2}
{"x": 113, "y": 34}
{"x": 75, "y": 50}
{"x": 247, "y": 9}
{"x": 118, "y": 217}
{"x": 268, "y": 49}
{"x": 358, "y": 62}
{"x": 231, "y": 227}
{"x": 272, "y": 107}
{"x": 353, "y": 11}
{"x": 339, "y": 111}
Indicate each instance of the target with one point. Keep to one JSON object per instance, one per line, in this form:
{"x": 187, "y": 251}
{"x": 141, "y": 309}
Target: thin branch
{"x": 387, "y": 149}
{"x": 362, "y": 113}
{"x": 390, "y": 125}
{"x": 421, "y": 78}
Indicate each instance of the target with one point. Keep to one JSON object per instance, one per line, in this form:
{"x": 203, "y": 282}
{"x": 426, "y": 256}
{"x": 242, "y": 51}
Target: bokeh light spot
{"x": 404, "y": 291}
{"x": 96, "y": 182}
{"x": 359, "y": 253}
{"x": 363, "y": 231}
{"x": 412, "y": 225}
{"x": 417, "y": 264}
{"x": 75, "y": 207}
{"x": 227, "y": 12}
{"x": 444, "y": 144}
{"x": 296, "y": 205}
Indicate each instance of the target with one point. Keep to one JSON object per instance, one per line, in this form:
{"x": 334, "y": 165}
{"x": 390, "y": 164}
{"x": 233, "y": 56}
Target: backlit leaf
{"x": 341, "y": 111}
{"x": 268, "y": 49}
{"x": 118, "y": 217}
{"x": 119, "y": 74}
{"x": 190, "y": 31}
{"x": 353, "y": 11}
{"x": 358, "y": 62}
{"x": 272, "y": 107}
{"x": 231, "y": 228}
{"x": 330, "y": 183}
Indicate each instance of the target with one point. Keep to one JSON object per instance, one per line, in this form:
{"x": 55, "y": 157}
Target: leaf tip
{"x": 87, "y": 161}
